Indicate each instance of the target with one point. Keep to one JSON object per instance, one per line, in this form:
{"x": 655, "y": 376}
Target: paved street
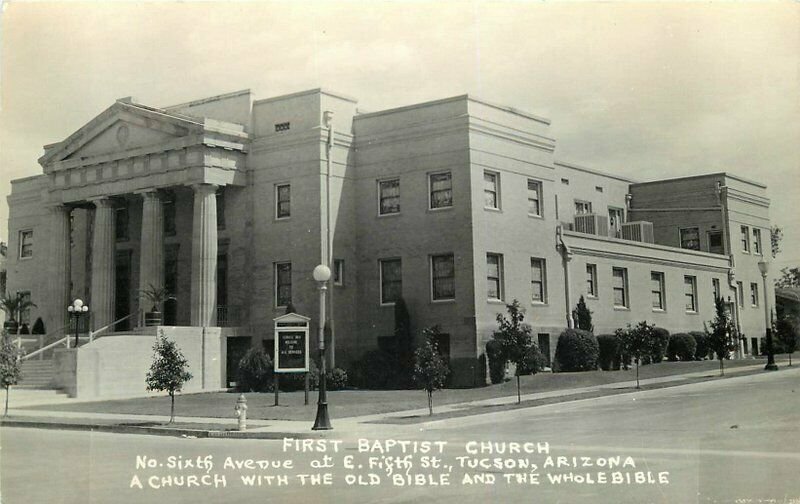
{"x": 722, "y": 441}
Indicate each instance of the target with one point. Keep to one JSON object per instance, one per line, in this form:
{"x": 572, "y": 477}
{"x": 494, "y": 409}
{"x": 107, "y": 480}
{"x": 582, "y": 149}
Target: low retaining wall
{"x": 117, "y": 365}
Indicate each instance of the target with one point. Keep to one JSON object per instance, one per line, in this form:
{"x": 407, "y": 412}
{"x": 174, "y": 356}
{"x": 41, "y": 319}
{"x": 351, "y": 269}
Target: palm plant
{"x": 156, "y": 295}
{"x": 14, "y": 306}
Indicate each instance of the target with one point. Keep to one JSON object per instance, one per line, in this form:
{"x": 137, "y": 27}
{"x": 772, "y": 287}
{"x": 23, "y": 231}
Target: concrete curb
{"x": 157, "y": 431}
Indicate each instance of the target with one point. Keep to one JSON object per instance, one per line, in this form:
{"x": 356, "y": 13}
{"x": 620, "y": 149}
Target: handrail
{"x": 65, "y": 339}
{"x": 44, "y": 348}
{"x": 92, "y": 334}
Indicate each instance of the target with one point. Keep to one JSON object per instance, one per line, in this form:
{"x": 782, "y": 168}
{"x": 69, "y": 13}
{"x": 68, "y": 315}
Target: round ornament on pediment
{"x": 122, "y": 134}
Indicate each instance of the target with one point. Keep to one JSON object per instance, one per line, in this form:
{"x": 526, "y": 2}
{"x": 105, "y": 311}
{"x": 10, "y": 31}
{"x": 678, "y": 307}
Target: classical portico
{"x": 135, "y": 153}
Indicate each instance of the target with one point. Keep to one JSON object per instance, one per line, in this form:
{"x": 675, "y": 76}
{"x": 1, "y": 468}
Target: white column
{"x": 59, "y": 265}
{"x": 204, "y": 255}
{"x": 151, "y": 261}
{"x": 103, "y": 240}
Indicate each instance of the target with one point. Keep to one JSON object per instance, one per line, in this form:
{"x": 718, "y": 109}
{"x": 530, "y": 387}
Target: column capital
{"x": 102, "y": 202}
{"x": 151, "y": 192}
{"x": 58, "y": 208}
{"x": 204, "y": 188}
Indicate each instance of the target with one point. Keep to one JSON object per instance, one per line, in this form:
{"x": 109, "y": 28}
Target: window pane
{"x": 690, "y": 238}
{"x": 534, "y": 196}
{"x": 441, "y": 190}
{"x": 537, "y": 280}
{"x": 590, "y": 280}
{"x": 391, "y": 280}
{"x": 689, "y": 290}
{"x": 443, "y": 277}
{"x": 389, "y": 197}
{"x": 283, "y": 208}
{"x": 619, "y": 287}
{"x": 283, "y": 284}
{"x": 490, "y": 190}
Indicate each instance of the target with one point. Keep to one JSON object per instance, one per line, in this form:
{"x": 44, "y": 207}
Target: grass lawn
{"x": 349, "y": 403}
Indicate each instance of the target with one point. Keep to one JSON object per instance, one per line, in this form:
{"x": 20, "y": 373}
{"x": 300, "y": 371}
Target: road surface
{"x": 736, "y": 441}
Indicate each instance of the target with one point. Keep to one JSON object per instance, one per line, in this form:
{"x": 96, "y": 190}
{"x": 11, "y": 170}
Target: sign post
{"x": 291, "y": 348}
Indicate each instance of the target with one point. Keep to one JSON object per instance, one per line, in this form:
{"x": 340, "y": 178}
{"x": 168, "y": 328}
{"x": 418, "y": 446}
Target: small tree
{"x": 156, "y": 296}
{"x": 430, "y": 369}
{"x": 515, "y": 338}
{"x": 790, "y": 277}
{"x": 10, "y": 370}
{"x": 637, "y": 342}
{"x": 583, "y": 316}
{"x": 168, "y": 371}
{"x": 14, "y": 306}
{"x": 775, "y": 238}
{"x": 722, "y": 336}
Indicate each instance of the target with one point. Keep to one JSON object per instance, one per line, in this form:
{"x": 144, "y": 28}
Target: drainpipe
{"x": 566, "y": 256}
{"x": 328, "y": 120}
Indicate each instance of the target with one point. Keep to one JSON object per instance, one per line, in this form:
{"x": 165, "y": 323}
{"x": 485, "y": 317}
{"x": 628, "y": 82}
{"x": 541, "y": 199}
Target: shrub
{"x": 377, "y": 370}
{"x": 609, "y": 351}
{"x": 255, "y": 371}
{"x": 577, "y": 350}
{"x": 682, "y": 347}
{"x": 702, "y": 351}
{"x": 659, "y": 344}
{"x": 337, "y": 379}
{"x": 533, "y": 361}
{"x": 583, "y": 316}
{"x": 497, "y": 361}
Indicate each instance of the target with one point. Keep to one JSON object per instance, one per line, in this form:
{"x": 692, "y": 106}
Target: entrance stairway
{"x": 36, "y": 374}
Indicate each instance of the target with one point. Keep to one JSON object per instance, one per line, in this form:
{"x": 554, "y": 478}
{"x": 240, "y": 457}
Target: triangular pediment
{"x": 122, "y": 127}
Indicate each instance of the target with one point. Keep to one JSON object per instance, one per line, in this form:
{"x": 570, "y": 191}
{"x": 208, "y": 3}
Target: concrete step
{"x": 36, "y": 374}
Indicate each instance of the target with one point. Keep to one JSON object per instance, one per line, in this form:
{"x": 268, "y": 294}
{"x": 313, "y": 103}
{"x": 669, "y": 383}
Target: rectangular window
{"x": 615, "y": 219}
{"x": 740, "y": 293}
{"x": 490, "y": 199}
{"x": 283, "y": 201}
{"x": 534, "y": 197}
{"x": 565, "y": 181}
{"x": 756, "y": 241}
{"x": 745, "y": 239}
{"x": 538, "y": 281}
{"x": 591, "y": 280}
{"x": 754, "y": 294}
{"x": 494, "y": 276}
{"x": 619, "y": 277}
{"x": 169, "y": 209}
{"x": 690, "y": 238}
{"x": 389, "y": 197}
{"x": 441, "y": 190}
{"x": 583, "y": 207}
{"x": 391, "y": 280}
{"x": 26, "y": 243}
{"x": 284, "y": 126}
{"x": 715, "y": 244}
{"x": 283, "y": 283}
{"x": 657, "y": 289}
{"x": 220, "y": 197}
{"x": 690, "y": 293}
{"x": 121, "y": 223}
{"x": 338, "y": 272}
{"x": 716, "y": 287}
{"x": 443, "y": 283}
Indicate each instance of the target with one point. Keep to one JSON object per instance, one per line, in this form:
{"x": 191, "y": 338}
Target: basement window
{"x": 284, "y": 126}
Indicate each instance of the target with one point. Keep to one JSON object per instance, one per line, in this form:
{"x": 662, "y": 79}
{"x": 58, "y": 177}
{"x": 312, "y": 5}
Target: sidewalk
{"x": 352, "y": 426}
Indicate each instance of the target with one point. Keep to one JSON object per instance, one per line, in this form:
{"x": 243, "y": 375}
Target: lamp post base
{"x": 771, "y": 366}
{"x": 323, "y": 422}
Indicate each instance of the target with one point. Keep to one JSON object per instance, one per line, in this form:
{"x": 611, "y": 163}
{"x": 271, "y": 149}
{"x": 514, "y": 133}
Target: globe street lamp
{"x": 321, "y": 275}
{"x": 76, "y": 309}
{"x": 763, "y": 267}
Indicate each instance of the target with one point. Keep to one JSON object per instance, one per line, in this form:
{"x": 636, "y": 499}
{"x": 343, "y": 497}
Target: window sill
{"x": 443, "y": 301}
{"x": 659, "y": 310}
{"x": 495, "y": 301}
{"x": 595, "y": 298}
{"x": 691, "y": 312}
{"x": 392, "y": 214}
{"x": 281, "y": 219}
{"x": 386, "y": 305}
{"x": 535, "y": 216}
{"x": 440, "y": 209}
{"x": 26, "y": 258}
{"x": 621, "y": 308}
{"x": 539, "y": 303}
{"x": 492, "y": 209}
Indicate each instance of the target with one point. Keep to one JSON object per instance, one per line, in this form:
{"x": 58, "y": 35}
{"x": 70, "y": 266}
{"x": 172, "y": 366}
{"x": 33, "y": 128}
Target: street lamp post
{"x": 321, "y": 275}
{"x": 76, "y": 309}
{"x": 763, "y": 267}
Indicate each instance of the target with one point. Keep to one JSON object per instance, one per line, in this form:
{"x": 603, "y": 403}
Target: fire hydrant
{"x": 241, "y": 412}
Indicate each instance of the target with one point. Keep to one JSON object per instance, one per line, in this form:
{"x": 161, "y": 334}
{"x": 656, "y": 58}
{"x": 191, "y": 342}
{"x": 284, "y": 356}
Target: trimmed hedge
{"x": 255, "y": 371}
{"x": 682, "y": 347}
{"x": 577, "y": 350}
{"x": 609, "y": 347}
{"x": 496, "y": 360}
{"x": 703, "y": 349}
{"x": 378, "y": 370}
{"x": 660, "y": 343}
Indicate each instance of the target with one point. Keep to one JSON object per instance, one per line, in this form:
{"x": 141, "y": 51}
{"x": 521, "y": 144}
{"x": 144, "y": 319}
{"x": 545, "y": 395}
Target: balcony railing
{"x": 228, "y": 316}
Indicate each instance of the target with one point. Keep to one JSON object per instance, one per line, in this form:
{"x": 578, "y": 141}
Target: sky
{"x": 644, "y": 90}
